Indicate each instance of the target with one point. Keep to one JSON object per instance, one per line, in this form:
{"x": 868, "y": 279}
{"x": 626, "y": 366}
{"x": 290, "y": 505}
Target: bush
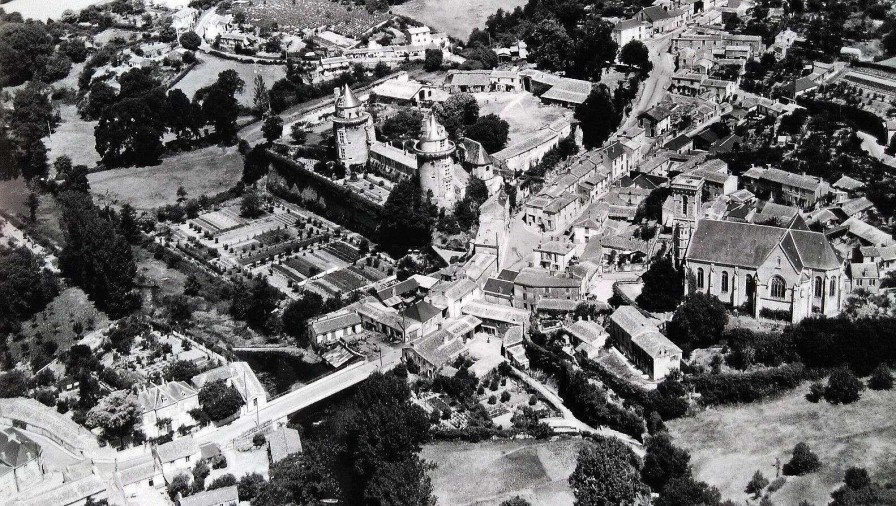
{"x": 505, "y": 396}
{"x": 802, "y": 462}
{"x": 843, "y": 387}
{"x": 718, "y": 389}
{"x": 492, "y": 399}
{"x": 776, "y": 484}
{"x": 881, "y": 378}
{"x": 816, "y": 392}
{"x": 533, "y": 400}
{"x": 258, "y": 439}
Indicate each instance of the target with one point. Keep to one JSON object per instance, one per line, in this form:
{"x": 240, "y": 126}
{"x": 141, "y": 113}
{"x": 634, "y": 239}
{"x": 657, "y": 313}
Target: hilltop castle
{"x": 438, "y": 161}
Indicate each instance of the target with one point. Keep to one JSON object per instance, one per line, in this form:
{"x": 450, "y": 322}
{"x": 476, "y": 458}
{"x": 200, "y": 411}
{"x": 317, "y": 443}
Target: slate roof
{"x": 556, "y": 247}
{"x": 513, "y": 336}
{"x": 329, "y": 324}
{"x": 654, "y": 343}
{"x": 17, "y": 449}
{"x": 469, "y": 78}
{"x": 496, "y": 312}
{"x": 498, "y": 286}
{"x": 847, "y": 183}
{"x": 626, "y": 24}
{"x": 164, "y": 395}
{"x": 552, "y": 304}
{"x": 678, "y": 142}
{"x": 421, "y": 311}
{"x": 748, "y": 245}
{"x": 177, "y": 449}
{"x": 439, "y": 347}
{"x": 283, "y": 442}
{"x": 855, "y": 206}
{"x": 588, "y": 331}
{"x": 540, "y": 278}
{"x": 865, "y": 270}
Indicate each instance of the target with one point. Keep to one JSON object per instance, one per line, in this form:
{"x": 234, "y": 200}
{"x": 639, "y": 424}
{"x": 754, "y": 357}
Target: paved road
{"x": 657, "y": 83}
{"x": 869, "y": 144}
{"x": 287, "y": 404}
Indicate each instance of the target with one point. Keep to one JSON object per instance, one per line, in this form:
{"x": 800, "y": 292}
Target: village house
{"x": 628, "y": 30}
{"x": 786, "y": 187}
{"x": 140, "y": 477}
{"x": 655, "y": 121}
{"x": 639, "y": 339}
{"x": 282, "y": 443}
{"x": 451, "y": 296}
{"x": 224, "y": 496}
{"x": 496, "y": 318}
{"x": 432, "y": 352}
{"x": 533, "y": 284}
{"x": 21, "y": 462}
{"x": 167, "y": 407}
{"x": 177, "y": 456}
{"x": 554, "y": 256}
{"x": 864, "y": 276}
{"x": 241, "y": 377}
{"x": 587, "y": 337}
{"x": 333, "y": 328}
{"x": 513, "y": 349}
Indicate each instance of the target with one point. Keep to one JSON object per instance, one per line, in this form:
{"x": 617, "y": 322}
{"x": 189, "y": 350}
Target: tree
{"x": 96, "y": 256}
{"x": 491, "y": 131}
{"x": 130, "y": 132}
{"x": 190, "y": 40}
{"x": 859, "y": 490}
{"x": 127, "y": 223}
{"x": 802, "y": 462}
{"x": 56, "y": 67}
{"x": 13, "y": 384}
{"x": 756, "y": 484}
{"x": 181, "y": 370}
{"x": 663, "y": 462}
{"x": 843, "y": 387}
{"x": 433, "y": 60}
{"x": 598, "y": 117}
{"x": 184, "y": 118}
{"x": 251, "y": 205}
{"x": 663, "y": 285}
{"x": 116, "y": 413}
{"x": 298, "y": 134}
{"x": 686, "y": 491}
{"x": 594, "y": 50}
{"x": 260, "y": 98}
{"x": 881, "y": 378}
{"x": 405, "y": 124}
{"x": 219, "y": 401}
{"x": 606, "y": 474}
{"x": 698, "y": 321}
{"x": 550, "y": 46}
{"x": 272, "y": 129}
{"x": 255, "y": 304}
{"x": 24, "y": 47}
{"x": 179, "y": 486}
{"x": 460, "y": 110}
{"x": 33, "y": 202}
{"x": 381, "y": 69}
{"x": 249, "y": 485}
{"x": 219, "y": 104}
{"x": 406, "y": 222}
{"x": 635, "y": 54}
{"x": 297, "y": 313}
{"x": 101, "y": 97}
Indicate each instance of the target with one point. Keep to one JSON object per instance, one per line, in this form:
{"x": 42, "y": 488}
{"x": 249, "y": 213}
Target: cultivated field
{"x": 48, "y": 9}
{"x": 207, "y": 72}
{"x": 489, "y": 472}
{"x": 523, "y": 111}
{"x": 446, "y": 16}
{"x": 728, "y": 445}
{"x": 296, "y": 15}
{"x": 205, "y": 171}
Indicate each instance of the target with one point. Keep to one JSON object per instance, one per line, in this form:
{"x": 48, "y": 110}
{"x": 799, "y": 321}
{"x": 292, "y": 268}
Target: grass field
{"x": 297, "y": 15}
{"x": 446, "y": 16}
{"x": 489, "y": 472}
{"x": 728, "y": 445}
{"x": 207, "y": 72}
{"x": 48, "y": 9}
{"x": 204, "y": 171}
{"x": 73, "y": 138}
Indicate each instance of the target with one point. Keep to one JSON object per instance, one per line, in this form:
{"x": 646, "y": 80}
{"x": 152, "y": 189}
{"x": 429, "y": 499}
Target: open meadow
{"x": 297, "y": 15}
{"x": 206, "y": 73}
{"x": 73, "y": 138}
{"x": 205, "y": 171}
{"x": 728, "y": 445}
{"x": 489, "y": 472}
{"x": 456, "y": 18}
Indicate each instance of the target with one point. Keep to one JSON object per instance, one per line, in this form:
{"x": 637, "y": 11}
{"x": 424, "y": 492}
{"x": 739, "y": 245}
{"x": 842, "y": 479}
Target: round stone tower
{"x": 435, "y": 162}
{"x": 350, "y": 128}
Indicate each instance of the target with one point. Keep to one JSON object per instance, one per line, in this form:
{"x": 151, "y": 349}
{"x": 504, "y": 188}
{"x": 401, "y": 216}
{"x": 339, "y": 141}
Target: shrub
{"x": 802, "y": 462}
{"x": 533, "y": 399}
{"x": 843, "y": 387}
{"x": 258, "y": 439}
{"x": 505, "y": 396}
{"x": 742, "y": 388}
{"x": 816, "y": 392}
{"x": 776, "y": 484}
{"x": 492, "y": 399}
{"x": 756, "y": 484}
{"x": 881, "y": 378}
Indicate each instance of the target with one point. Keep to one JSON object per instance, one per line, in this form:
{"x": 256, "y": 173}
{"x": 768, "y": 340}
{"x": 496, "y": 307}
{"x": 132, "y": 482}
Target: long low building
{"x": 639, "y": 338}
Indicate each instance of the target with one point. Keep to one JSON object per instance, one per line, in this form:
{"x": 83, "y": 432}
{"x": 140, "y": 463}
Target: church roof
{"x": 748, "y": 245}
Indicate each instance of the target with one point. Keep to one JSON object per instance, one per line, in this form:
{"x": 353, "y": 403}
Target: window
{"x": 699, "y": 278}
{"x": 833, "y": 289}
{"x": 684, "y": 204}
{"x": 872, "y": 282}
{"x": 777, "y": 287}
{"x": 724, "y": 281}
{"x": 859, "y": 282}
{"x": 819, "y": 286}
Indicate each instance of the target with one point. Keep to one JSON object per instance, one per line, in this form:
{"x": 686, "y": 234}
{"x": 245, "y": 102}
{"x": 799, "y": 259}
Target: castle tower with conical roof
{"x": 435, "y": 163}
{"x": 350, "y": 128}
